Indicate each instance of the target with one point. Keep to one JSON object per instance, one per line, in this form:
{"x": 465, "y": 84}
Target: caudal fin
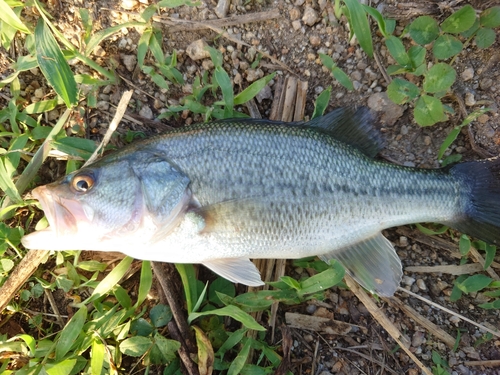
{"x": 481, "y": 218}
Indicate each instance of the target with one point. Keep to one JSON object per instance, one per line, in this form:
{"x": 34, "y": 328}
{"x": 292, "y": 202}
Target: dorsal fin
{"x": 353, "y": 126}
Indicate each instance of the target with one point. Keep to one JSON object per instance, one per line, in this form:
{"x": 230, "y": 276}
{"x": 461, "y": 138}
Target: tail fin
{"x": 482, "y": 212}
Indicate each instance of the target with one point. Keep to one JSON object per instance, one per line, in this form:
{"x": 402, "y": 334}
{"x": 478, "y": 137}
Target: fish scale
{"x": 220, "y": 193}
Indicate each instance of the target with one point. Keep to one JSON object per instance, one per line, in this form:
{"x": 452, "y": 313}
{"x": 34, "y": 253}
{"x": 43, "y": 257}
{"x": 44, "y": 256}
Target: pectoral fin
{"x": 373, "y": 263}
{"x": 237, "y": 270}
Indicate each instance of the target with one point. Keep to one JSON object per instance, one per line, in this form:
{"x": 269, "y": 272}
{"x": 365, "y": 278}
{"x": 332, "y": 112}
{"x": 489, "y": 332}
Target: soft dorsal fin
{"x": 353, "y": 126}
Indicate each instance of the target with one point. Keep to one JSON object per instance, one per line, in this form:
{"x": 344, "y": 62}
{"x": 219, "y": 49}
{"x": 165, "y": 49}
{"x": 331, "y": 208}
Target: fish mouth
{"x": 64, "y": 215}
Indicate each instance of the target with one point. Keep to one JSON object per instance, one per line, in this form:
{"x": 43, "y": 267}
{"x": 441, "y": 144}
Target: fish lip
{"x": 61, "y": 219}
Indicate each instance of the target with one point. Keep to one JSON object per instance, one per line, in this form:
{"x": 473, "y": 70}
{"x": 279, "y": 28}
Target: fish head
{"x": 101, "y": 206}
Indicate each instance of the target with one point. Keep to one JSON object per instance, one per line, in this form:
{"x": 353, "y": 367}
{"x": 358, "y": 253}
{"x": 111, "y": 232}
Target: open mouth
{"x": 62, "y": 214}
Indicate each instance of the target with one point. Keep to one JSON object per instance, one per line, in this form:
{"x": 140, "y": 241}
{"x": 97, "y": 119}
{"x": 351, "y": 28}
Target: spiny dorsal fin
{"x": 353, "y": 126}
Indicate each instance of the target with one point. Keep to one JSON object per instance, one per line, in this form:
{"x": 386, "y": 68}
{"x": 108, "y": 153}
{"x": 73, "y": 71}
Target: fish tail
{"x": 481, "y": 216}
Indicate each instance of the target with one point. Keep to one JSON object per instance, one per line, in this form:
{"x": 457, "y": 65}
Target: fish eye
{"x": 83, "y": 182}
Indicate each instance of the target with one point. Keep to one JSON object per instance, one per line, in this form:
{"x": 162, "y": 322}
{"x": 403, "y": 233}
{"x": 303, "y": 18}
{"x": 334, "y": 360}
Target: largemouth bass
{"x": 223, "y": 192}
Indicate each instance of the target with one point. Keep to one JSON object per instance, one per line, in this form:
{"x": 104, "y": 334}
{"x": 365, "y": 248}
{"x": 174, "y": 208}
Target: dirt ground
{"x": 294, "y": 36}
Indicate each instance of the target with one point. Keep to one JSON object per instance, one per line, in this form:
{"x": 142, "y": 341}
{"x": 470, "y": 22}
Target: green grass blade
{"x": 360, "y": 25}
{"x": 321, "y": 103}
{"x": 253, "y": 89}
{"x": 8, "y": 16}
{"x": 111, "y": 280}
{"x": 106, "y": 33}
{"x": 70, "y": 333}
{"x": 7, "y": 185}
{"x": 224, "y": 82}
{"x": 53, "y": 64}
{"x": 233, "y": 312}
{"x": 188, "y": 277}
{"x": 145, "y": 282}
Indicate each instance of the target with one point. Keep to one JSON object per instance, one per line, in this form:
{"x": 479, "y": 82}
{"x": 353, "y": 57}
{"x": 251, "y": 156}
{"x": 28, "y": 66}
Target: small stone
{"x": 310, "y": 16}
{"x": 53, "y": 115}
{"x": 427, "y": 140}
{"x": 129, "y": 4}
{"x": 357, "y": 85}
{"x": 380, "y": 102}
{"x": 196, "y": 50}
{"x": 483, "y": 119}
{"x": 296, "y": 25}
{"x": 129, "y": 61}
{"x": 421, "y": 284}
{"x": 404, "y": 130}
{"x": 403, "y": 241}
{"x": 222, "y": 8}
{"x": 39, "y": 93}
{"x": 99, "y": 51}
{"x": 469, "y": 99}
{"x": 146, "y": 112}
{"x": 207, "y": 64}
{"x": 418, "y": 339}
{"x": 455, "y": 320}
{"x": 407, "y": 280}
{"x": 315, "y": 40}
{"x": 265, "y": 93}
{"x": 158, "y": 104}
{"x": 102, "y": 105}
{"x": 485, "y": 83}
{"x": 254, "y": 74}
{"x": 122, "y": 43}
{"x": 467, "y": 74}
{"x": 311, "y": 309}
{"x": 294, "y": 13}
{"x": 356, "y": 75}
{"x": 299, "y": 3}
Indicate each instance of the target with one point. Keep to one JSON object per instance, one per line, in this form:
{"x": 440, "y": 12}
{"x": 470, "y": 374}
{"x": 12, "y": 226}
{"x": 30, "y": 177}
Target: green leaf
{"x": 490, "y": 17}
{"x": 485, "y": 38}
{"x": 97, "y": 356}
{"x": 397, "y": 50}
{"x": 322, "y": 281}
{"x": 428, "y": 111}
{"x": 385, "y": 29}
{"x": 491, "y": 252}
{"x": 106, "y": 33}
{"x": 327, "y": 61}
{"x": 145, "y": 282}
{"x": 111, "y": 280}
{"x": 417, "y": 55}
{"x": 224, "y": 82}
{"x": 122, "y": 297}
{"x": 220, "y": 285}
{"x": 460, "y": 21}
{"x": 439, "y": 78}
{"x": 143, "y": 45}
{"x": 321, "y": 103}
{"x": 7, "y": 185}
{"x": 450, "y": 138}
{"x": 491, "y": 305}
{"x": 343, "y": 78}
{"x": 424, "y": 30}
{"x": 360, "y": 26}
{"x": 74, "y": 146}
{"x": 60, "y": 368}
{"x": 136, "y": 346}
{"x": 472, "y": 30}
{"x": 474, "y": 283}
{"x": 401, "y": 91}
{"x": 240, "y": 360}
{"x": 53, "y": 65}
{"x": 70, "y": 333}
{"x": 233, "y": 340}
{"x": 253, "y": 89}
{"x": 167, "y": 348}
{"x": 42, "y": 106}
{"x": 10, "y": 18}
{"x": 160, "y": 315}
{"x": 464, "y": 244}
{"x": 188, "y": 277}
{"x": 233, "y": 312}
{"x": 446, "y": 46}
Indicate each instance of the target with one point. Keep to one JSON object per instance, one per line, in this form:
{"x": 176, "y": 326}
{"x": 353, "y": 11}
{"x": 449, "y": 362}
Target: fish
{"x": 220, "y": 193}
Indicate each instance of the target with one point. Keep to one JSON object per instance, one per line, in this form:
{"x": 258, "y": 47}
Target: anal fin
{"x": 237, "y": 270}
{"x": 373, "y": 263}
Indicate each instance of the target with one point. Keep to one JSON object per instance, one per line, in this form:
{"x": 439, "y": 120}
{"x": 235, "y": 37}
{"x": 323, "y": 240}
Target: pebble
{"x": 129, "y": 61}
{"x": 407, "y": 280}
{"x": 467, "y": 74}
{"x": 485, "y": 83}
{"x": 146, "y": 112}
{"x": 418, "y": 339}
{"x": 254, "y": 74}
{"x": 469, "y": 99}
{"x": 53, "y": 115}
{"x": 391, "y": 112}
{"x": 310, "y": 16}
{"x": 315, "y": 40}
{"x": 403, "y": 241}
{"x": 102, "y": 105}
{"x": 421, "y": 284}
{"x": 129, "y": 4}
{"x": 222, "y": 8}
{"x": 427, "y": 140}
{"x": 122, "y": 43}
{"x": 294, "y": 13}
{"x": 99, "y": 51}
{"x": 311, "y": 309}
{"x": 296, "y": 25}
{"x": 265, "y": 93}
{"x": 196, "y": 50}
{"x": 404, "y": 130}
{"x": 207, "y": 64}
{"x": 39, "y": 93}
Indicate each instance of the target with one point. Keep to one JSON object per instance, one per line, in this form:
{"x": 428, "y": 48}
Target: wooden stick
{"x": 384, "y": 321}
